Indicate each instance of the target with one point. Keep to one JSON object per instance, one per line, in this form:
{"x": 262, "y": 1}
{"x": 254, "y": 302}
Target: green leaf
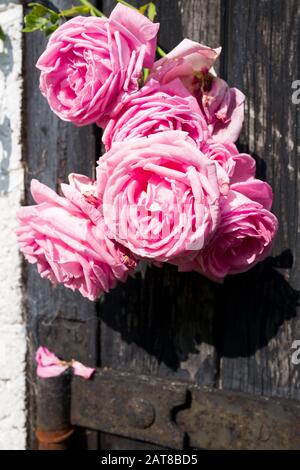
{"x": 39, "y": 10}
{"x": 50, "y": 29}
{"x": 41, "y": 18}
{"x": 2, "y": 35}
{"x": 54, "y": 17}
{"x": 74, "y": 11}
{"x": 33, "y": 23}
{"x": 150, "y": 9}
{"x": 45, "y": 3}
{"x": 143, "y": 9}
{"x": 95, "y": 12}
{"x": 92, "y": 9}
{"x": 46, "y": 17}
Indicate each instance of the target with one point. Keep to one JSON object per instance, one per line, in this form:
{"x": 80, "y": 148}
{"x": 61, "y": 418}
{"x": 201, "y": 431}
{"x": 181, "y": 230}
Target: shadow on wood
{"x": 170, "y": 314}
{"x": 253, "y": 306}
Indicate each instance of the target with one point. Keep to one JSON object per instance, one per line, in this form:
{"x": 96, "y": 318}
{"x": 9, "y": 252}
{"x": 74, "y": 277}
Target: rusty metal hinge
{"x": 136, "y": 406}
{"x": 221, "y": 419}
{"x": 165, "y": 412}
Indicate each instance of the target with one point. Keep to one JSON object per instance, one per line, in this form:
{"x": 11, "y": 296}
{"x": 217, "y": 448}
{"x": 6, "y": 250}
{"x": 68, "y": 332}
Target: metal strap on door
{"x": 163, "y": 412}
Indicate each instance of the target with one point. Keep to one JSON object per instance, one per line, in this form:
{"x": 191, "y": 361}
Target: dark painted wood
{"x": 56, "y": 317}
{"x": 162, "y": 322}
{"x": 259, "y": 310}
{"x": 181, "y": 326}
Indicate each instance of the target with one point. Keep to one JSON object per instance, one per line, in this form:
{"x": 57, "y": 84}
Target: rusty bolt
{"x": 141, "y": 413}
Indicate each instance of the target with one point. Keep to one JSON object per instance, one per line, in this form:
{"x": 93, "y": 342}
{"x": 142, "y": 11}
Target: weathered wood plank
{"x": 258, "y": 310}
{"x": 162, "y": 322}
{"x": 56, "y": 317}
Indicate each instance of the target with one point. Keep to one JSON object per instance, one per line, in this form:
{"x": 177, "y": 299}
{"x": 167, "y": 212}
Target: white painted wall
{"x": 12, "y": 328}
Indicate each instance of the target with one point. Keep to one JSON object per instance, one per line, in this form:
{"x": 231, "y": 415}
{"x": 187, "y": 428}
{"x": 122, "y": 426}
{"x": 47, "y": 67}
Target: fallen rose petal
{"x": 48, "y": 365}
{"x": 81, "y": 370}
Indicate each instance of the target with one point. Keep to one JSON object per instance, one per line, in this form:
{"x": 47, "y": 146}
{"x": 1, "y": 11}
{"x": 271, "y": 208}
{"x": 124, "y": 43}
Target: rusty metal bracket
{"x": 220, "y": 419}
{"x": 164, "y": 412}
{"x": 54, "y": 431}
{"x": 54, "y": 440}
{"x": 135, "y": 406}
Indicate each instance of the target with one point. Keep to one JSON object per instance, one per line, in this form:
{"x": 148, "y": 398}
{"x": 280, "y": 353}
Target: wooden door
{"x": 235, "y": 336}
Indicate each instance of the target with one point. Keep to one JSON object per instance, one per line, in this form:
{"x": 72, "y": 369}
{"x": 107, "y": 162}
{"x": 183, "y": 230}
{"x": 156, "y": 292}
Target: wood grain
{"x": 56, "y": 317}
{"x": 236, "y": 336}
{"x": 259, "y": 310}
{"x": 162, "y": 322}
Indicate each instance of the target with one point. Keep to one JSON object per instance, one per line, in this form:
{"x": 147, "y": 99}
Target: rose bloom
{"x": 222, "y": 106}
{"x": 155, "y": 108}
{"x": 244, "y": 237}
{"x": 239, "y": 169}
{"x": 232, "y": 167}
{"x": 65, "y": 236}
{"x": 160, "y": 196}
{"x": 90, "y": 62}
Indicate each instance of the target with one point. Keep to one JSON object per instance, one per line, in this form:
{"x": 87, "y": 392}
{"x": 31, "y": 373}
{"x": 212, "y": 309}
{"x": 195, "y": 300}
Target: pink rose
{"x": 256, "y": 190}
{"x": 240, "y": 169}
{"x": 90, "y": 62}
{"x": 244, "y": 237}
{"x": 222, "y": 107}
{"x": 184, "y": 62}
{"x": 160, "y": 195}
{"x": 223, "y": 154}
{"x": 65, "y": 236}
{"x": 232, "y": 167}
{"x": 155, "y": 108}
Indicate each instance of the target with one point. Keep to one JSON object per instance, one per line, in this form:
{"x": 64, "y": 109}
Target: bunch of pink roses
{"x": 172, "y": 186}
